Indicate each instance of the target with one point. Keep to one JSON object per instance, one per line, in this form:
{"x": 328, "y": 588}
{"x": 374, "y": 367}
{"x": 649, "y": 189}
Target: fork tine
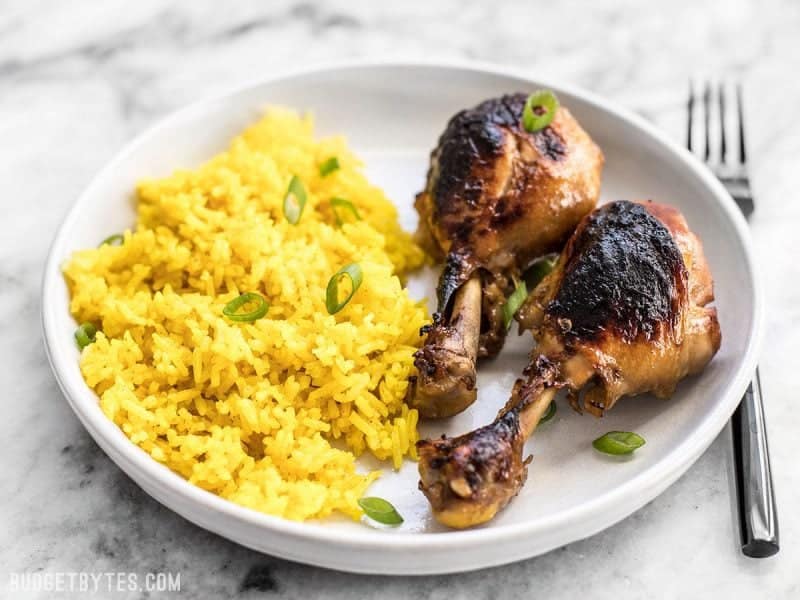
{"x": 740, "y": 118}
{"x": 723, "y": 147}
{"x": 690, "y": 115}
{"x": 707, "y": 120}
{"x": 723, "y": 109}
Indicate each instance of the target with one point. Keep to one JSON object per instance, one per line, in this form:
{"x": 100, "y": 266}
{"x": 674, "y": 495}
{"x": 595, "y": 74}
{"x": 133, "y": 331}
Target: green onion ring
{"x": 85, "y": 335}
{"x": 538, "y": 270}
{"x": 380, "y": 510}
{"x": 352, "y": 272}
{"x": 513, "y": 303}
{"x": 549, "y": 413}
{"x": 618, "y": 442}
{"x": 341, "y": 203}
{"x": 329, "y": 166}
{"x": 540, "y": 108}
{"x": 231, "y": 308}
{"x": 113, "y": 240}
{"x": 295, "y": 200}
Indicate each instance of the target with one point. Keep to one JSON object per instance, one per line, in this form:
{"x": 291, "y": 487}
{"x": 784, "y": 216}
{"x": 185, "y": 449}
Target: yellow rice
{"x": 269, "y": 414}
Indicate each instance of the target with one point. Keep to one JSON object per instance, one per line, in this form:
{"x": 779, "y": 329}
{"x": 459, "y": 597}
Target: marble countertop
{"x": 80, "y": 79}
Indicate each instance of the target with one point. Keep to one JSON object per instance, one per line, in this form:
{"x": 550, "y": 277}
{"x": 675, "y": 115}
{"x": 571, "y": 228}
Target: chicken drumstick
{"x": 623, "y": 312}
{"x": 497, "y": 196}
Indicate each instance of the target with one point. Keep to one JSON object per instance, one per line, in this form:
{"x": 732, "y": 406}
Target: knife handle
{"x": 758, "y": 515}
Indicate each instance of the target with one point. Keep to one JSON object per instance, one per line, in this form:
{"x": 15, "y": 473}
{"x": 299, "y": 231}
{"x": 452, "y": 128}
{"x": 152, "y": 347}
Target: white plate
{"x": 392, "y": 115}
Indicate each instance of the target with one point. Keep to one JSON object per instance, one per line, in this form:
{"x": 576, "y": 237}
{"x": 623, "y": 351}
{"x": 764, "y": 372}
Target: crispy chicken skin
{"x": 623, "y": 313}
{"x": 627, "y": 304}
{"x": 497, "y": 197}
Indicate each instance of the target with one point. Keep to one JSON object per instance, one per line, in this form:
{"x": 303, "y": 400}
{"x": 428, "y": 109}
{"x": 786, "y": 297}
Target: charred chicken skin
{"x": 624, "y": 312}
{"x": 497, "y": 196}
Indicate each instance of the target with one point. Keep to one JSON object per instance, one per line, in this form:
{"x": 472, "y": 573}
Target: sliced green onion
{"x": 329, "y": 166}
{"x": 339, "y": 205}
{"x": 113, "y": 240}
{"x": 540, "y": 108}
{"x": 513, "y": 303}
{"x": 618, "y": 442}
{"x": 85, "y": 335}
{"x": 549, "y": 414}
{"x": 231, "y": 309}
{"x": 380, "y": 510}
{"x": 295, "y": 200}
{"x": 538, "y": 270}
{"x": 354, "y": 274}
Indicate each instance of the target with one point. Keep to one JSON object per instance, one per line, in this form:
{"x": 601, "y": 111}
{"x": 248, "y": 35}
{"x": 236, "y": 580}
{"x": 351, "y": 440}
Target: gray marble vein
{"x": 79, "y": 79}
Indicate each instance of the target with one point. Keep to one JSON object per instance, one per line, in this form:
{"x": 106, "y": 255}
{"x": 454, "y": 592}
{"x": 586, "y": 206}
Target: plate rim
{"x": 657, "y": 477}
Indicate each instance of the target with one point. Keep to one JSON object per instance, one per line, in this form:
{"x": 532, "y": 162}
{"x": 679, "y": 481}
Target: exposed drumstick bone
{"x": 445, "y": 384}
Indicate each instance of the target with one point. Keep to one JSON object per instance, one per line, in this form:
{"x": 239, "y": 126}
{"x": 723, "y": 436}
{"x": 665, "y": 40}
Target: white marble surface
{"x": 79, "y": 79}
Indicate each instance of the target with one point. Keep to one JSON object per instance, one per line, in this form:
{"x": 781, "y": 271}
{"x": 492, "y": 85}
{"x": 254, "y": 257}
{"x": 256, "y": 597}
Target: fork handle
{"x": 758, "y": 515}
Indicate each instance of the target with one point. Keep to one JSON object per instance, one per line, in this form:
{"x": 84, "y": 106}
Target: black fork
{"x": 719, "y": 110}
